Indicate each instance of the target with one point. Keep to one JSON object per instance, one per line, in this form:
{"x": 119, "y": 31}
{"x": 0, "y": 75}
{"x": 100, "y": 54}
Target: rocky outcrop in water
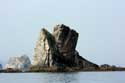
{"x": 1, "y": 67}
{"x": 59, "y": 49}
{"x": 21, "y": 63}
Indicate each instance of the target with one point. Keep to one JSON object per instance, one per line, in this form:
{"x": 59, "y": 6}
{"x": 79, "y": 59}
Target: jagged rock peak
{"x": 65, "y": 37}
{"x": 45, "y": 49}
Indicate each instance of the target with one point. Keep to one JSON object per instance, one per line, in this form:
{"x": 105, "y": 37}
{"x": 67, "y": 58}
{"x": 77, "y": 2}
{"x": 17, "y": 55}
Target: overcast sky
{"x": 100, "y": 23}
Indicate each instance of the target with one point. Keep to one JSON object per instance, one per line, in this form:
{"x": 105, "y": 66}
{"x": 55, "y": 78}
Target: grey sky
{"x": 100, "y": 23}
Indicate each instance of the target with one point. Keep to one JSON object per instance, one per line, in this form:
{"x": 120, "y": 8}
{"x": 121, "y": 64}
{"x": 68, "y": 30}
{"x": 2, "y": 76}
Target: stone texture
{"x": 66, "y": 40}
{"x": 59, "y": 49}
{"x": 46, "y": 50}
{"x": 21, "y": 63}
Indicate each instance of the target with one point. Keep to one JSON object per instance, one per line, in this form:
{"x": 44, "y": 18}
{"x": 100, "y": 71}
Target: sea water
{"x": 72, "y": 77}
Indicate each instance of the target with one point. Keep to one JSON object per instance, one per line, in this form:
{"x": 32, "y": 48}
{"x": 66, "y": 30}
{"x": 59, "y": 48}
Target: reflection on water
{"x": 80, "y": 77}
{"x": 59, "y": 77}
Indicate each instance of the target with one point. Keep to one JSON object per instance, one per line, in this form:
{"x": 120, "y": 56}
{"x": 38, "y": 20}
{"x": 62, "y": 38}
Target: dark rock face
{"x": 59, "y": 49}
{"x": 66, "y": 40}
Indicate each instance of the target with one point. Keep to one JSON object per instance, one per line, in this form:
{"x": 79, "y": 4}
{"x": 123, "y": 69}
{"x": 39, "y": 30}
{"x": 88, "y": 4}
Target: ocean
{"x": 72, "y": 77}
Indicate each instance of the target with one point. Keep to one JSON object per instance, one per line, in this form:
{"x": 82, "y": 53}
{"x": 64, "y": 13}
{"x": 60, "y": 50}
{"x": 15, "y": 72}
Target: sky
{"x": 100, "y": 23}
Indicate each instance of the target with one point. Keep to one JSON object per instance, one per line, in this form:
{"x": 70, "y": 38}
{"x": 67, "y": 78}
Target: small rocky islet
{"x": 56, "y": 52}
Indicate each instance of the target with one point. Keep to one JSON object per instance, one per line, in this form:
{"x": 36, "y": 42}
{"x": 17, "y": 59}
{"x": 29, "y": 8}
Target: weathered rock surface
{"x": 46, "y": 50}
{"x": 66, "y": 40}
{"x": 59, "y": 49}
{"x": 21, "y": 63}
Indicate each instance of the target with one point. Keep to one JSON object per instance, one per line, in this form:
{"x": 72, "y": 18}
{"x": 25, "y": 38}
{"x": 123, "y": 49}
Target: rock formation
{"x": 66, "y": 40}
{"x": 59, "y": 49}
{"x": 1, "y": 67}
{"x": 21, "y": 63}
{"x": 45, "y": 50}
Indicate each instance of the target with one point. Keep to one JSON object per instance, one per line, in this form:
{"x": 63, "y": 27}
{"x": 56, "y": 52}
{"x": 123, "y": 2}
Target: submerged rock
{"x": 21, "y": 63}
{"x": 59, "y": 49}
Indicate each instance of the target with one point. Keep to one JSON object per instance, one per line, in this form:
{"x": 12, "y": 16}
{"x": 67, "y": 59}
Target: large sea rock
{"x": 21, "y": 63}
{"x": 59, "y": 49}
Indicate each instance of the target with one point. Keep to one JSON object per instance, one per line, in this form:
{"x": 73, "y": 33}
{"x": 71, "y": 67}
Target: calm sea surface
{"x": 77, "y": 77}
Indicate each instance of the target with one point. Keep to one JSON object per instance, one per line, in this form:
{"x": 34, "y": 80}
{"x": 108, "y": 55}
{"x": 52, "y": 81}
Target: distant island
{"x": 56, "y": 52}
